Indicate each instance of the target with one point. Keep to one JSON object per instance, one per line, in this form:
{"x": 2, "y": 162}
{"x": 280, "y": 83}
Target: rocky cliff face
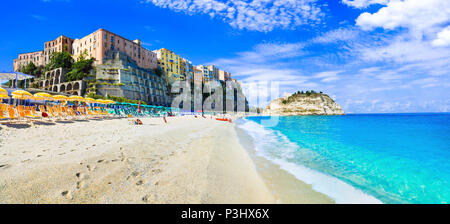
{"x": 304, "y": 104}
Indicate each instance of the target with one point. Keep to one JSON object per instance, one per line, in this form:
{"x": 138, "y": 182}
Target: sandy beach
{"x": 187, "y": 160}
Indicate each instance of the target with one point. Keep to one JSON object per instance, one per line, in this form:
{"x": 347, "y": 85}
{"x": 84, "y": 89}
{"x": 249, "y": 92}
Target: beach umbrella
{"x": 100, "y": 101}
{"x": 109, "y": 101}
{"x": 2, "y": 96}
{"x": 89, "y": 100}
{"x": 42, "y": 96}
{"x": 3, "y": 91}
{"x": 76, "y": 98}
{"x": 60, "y": 98}
{"x": 21, "y": 94}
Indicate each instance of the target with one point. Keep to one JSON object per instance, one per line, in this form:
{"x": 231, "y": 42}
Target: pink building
{"x": 25, "y": 58}
{"x": 101, "y": 42}
{"x": 60, "y": 44}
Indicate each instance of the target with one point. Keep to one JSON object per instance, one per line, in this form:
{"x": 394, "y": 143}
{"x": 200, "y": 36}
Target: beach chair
{"x": 72, "y": 112}
{"x": 21, "y": 113}
{"x": 12, "y": 115}
{"x": 29, "y": 115}
{"x": 42, "y": 110}
{"x": 57, "y": 111}
{"x": 82, "y": 112}
{"x": 96, "y": 111}
{"x": 2, "y": 117}
{"x": 53, "y": 113}
{"x": 33, "y": 111}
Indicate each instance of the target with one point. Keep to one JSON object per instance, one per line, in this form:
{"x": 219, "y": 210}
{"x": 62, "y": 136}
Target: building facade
{"x": 122, "y": 77}
{"x": 171, "y": 64}
{"x": 24, "y": 59}
{"x": 100, "y": 43}
{"x": 60, "y": 44}
{"x": 198, "y": 76}
{"x": 224, "y": 76}
{"x": 187, "y": 69}
{"x": 213, "y": 72}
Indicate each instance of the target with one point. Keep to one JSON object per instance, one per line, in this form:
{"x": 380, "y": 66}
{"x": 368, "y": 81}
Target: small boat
{"x": 223, "y": 119}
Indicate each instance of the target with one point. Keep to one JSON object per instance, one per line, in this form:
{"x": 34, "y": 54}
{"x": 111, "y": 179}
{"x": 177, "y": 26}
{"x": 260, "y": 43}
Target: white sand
{"x": 188, "y": 160}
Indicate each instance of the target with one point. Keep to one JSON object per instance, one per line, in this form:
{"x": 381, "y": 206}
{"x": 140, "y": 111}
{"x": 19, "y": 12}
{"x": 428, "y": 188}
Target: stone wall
{"x": 56, "y": 81}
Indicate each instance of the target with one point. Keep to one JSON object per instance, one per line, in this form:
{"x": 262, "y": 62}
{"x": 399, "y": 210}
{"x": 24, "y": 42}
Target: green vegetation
{"x": 77, "y": 70}
{"x": 60, "y": 60}
{"x": 80, "y": 69}
{"x": 301, "y": 94}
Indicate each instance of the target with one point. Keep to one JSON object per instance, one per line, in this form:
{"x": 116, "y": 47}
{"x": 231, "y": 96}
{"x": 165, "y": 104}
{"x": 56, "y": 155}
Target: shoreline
{"x": 286, "y": 188}
{"x": 321, "y": 185}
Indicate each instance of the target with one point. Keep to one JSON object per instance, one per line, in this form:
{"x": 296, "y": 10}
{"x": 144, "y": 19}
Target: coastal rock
{"x": 304, "y": 104}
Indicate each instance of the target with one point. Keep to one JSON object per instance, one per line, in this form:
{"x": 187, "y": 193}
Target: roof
{"x": 14, "y": 75}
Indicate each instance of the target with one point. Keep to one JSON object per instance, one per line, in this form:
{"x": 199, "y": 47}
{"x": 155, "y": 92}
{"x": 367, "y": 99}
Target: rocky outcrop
{"x": 304, "y": 104}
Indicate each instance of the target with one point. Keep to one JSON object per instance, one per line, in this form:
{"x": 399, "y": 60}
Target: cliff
{"x": 304, "y": 104}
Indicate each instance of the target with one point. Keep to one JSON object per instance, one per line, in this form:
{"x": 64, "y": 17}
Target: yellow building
{"x": 171, "y": 63}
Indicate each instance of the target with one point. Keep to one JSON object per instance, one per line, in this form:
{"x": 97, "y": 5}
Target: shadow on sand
{"x": 17, "y": 126}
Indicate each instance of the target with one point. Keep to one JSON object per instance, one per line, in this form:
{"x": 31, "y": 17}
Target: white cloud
{"x": 258, "y": 15}
{"x": 328, "y": 76}
{"x": 340, "y": 34}
{"x": 443, "y": 38}
{"x": 360, "y": 4}
{"x": 418, "y": 16}
{"x": 267, "y": 51}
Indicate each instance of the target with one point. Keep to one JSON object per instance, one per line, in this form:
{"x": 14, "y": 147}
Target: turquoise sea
{"x": 361, "y": 158}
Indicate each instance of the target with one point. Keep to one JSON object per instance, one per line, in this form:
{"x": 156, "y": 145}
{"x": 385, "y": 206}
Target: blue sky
{"x": 369, "y": 55}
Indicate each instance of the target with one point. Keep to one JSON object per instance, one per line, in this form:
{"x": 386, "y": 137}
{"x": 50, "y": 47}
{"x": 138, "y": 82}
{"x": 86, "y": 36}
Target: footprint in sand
{"x": 4, "y": 166}
{"x": 79, "y": 184}
{"x": 146, "y": 198}
{"x": 133, "y": 174}
{"x": 80, "y": 177}
{"x": 140, "y": 182}
{"x": 156, "y": 171}
{"x": 100, "y": 161}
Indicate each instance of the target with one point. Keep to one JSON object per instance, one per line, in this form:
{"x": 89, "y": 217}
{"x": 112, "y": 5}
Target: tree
{"x": 60, "y": 60}
{"x": 80, "y": 69}
{"x": 29, "y": 69}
